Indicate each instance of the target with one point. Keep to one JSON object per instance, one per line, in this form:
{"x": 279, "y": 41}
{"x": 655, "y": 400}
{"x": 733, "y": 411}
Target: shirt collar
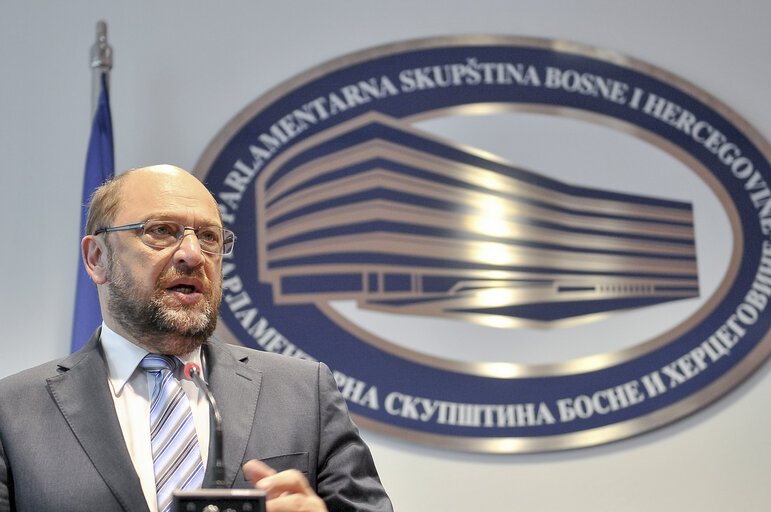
{"x": 123, "y": 357}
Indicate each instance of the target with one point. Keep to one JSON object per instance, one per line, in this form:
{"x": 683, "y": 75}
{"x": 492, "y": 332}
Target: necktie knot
{"x": 156, "y": 362}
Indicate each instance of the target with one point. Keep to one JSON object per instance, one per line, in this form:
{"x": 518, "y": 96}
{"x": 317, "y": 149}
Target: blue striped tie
{"x": 176, "y": 455}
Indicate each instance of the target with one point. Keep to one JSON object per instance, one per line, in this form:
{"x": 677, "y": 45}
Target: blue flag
{"x": 100, "y": 166}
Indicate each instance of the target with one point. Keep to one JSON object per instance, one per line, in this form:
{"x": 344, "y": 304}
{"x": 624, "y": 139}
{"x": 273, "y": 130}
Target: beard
{"x": 157, "y": 325}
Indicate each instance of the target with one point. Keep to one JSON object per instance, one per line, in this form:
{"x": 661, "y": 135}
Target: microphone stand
{"x": 192, "y": 371}
{"x": 220, "y": 498}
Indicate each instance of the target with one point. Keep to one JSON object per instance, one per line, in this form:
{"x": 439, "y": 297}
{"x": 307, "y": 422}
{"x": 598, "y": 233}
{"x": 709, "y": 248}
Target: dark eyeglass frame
{"x": 228, "y": 236}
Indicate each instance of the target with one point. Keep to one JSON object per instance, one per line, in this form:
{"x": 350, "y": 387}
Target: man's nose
{"x": 189, "y": 250}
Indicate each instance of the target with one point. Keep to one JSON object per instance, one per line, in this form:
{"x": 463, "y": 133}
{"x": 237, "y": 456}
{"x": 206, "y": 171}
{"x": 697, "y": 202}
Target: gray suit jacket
{"x": 61, "y": 446}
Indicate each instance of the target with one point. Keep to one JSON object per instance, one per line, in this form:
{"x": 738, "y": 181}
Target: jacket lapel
{"x": 83, "y": 397}
{"x": 235, "y": 386}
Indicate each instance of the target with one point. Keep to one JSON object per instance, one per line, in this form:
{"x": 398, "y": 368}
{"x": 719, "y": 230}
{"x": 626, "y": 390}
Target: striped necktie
{"x": 176, "y": 454}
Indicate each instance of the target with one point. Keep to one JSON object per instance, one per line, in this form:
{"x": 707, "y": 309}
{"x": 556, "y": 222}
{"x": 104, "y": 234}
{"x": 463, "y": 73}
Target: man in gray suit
{"x": 81, "y": 433}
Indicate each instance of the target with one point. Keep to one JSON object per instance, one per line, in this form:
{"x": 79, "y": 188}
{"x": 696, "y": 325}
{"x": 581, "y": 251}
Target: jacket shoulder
{"x": 26, "y": 378}
{"x": 264, "y": 361}
{"x": 34, "y": 377}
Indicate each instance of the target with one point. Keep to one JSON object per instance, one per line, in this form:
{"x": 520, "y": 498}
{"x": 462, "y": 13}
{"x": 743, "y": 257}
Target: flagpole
{"x": 100, "y": 166}
{"x": 101, "y": 64}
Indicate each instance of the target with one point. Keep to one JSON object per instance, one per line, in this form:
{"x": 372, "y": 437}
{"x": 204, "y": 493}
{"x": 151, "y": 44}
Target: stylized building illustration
{"x": 400, "y": 221}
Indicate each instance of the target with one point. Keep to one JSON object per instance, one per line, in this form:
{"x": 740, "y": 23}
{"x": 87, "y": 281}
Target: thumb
{"x": 255, "y": 470}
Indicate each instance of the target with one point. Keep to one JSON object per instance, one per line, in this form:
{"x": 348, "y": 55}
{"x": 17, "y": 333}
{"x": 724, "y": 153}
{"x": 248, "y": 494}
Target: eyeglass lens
{"x": 165, "y": 233}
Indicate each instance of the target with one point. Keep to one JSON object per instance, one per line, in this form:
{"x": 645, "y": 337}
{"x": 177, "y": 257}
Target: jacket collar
{"x": 90, "y": 414}
{"x": 235, "y": 383}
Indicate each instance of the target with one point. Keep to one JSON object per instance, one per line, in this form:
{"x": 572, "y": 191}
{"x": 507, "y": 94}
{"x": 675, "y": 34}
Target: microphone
{"x": 219, "y": 498}
{"x": 193, "y": 372}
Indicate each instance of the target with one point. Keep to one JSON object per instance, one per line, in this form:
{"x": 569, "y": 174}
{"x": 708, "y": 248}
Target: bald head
{"x": 154, "y": 182}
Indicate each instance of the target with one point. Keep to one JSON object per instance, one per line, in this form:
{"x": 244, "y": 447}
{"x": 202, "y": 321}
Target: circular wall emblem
{"x": 499, "y": 244}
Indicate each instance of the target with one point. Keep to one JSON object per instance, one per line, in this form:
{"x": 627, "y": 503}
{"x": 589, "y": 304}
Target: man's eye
{"x": 209, "y": 236}
{"x": 161, "y": 230}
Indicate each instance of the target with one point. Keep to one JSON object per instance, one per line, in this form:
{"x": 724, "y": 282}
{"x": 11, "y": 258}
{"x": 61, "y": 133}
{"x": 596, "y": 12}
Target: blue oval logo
{"x": 499, "y": 244}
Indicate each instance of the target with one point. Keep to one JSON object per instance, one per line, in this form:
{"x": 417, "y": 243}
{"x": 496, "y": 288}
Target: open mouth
{"x": 183, "y": 288}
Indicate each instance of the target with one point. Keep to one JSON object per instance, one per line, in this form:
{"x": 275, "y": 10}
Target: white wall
{"x": 184, "y": 68}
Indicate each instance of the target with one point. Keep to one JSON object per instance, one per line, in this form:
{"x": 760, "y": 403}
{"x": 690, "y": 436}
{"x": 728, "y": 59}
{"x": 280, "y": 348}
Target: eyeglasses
{"x": 161, "y": 234}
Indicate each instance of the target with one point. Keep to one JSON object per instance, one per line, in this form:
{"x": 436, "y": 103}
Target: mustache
{"x": 175, "y": 273}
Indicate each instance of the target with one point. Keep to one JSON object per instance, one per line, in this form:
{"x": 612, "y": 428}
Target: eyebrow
{"x": 177, "y": 218}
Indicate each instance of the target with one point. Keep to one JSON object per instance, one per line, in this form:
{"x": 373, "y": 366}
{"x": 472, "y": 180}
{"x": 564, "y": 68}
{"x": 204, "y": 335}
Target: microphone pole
{"x": 219, "y": 498}
{"x": 193, "y": 372}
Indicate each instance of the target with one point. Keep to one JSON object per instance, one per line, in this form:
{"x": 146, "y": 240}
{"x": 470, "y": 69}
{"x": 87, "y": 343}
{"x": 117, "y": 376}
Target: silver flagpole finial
{"x": 101, "y": 63}
{"x": 101, "y": 52}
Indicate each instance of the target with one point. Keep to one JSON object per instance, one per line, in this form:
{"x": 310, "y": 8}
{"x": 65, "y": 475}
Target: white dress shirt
{"x": 132, "y": 389}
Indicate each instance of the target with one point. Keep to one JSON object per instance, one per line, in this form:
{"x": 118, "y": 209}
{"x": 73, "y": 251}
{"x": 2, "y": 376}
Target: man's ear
{"x": 95, "y": 258}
